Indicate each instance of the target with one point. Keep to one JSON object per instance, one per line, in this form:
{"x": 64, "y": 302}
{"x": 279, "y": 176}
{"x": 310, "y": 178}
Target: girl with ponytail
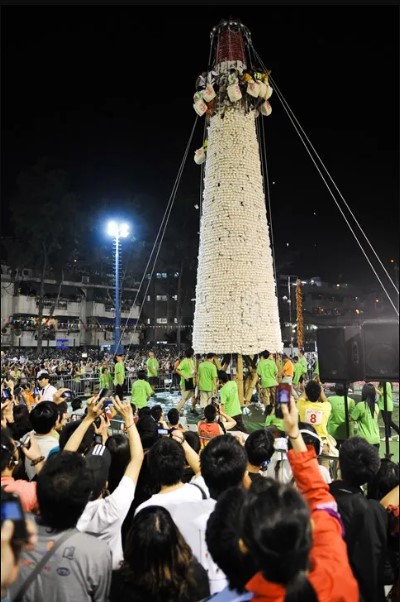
{"x": 294, "y": 536}
{"x": 365, "y": 414}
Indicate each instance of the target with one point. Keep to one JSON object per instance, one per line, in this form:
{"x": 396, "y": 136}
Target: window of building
{"x": 162, "y": 297}
{"x": 162, "y": 320}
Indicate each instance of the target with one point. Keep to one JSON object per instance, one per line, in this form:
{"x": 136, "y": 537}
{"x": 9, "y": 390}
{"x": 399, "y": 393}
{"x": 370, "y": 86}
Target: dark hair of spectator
{"x": 141, "y": 375}
{"x": 386, "y": 479}
{"x": 173, "y": 416}
{"x": 63, "y": 490}
{"x": 368, "y": 395}
{"x": 8, "y": 451}
{"x": 210, "y": 413}
{"x": 222, "y": 538}
{"x": 359, "y": 461}
{"x": 265, "y": 354}
{"x": 274, "y": 514}
{"x": 156, "y": 412}
{"x": 340, "y": 389}
{"x": 223, "y": 464}
{"x": 223, "y": 376}
{"x": 43, "y": 417}
{"x": 189, "y": 352}
{"x": 193, "y": 439}
{"x": 259, "y": 447}
{"x": 118, "y": 446}
{"x": 22, "y": 423}
{"x": 87, "y": 440}
{"x": 210, "y": 356}
{"x": 76, "y": 404}
{"x": 166, "y": 462}
{"x": 313, "y": 390}
{"x": 157, "y": 558}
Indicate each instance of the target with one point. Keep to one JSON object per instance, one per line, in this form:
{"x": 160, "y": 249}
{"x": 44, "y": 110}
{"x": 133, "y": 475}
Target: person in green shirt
{"x": 152, "y": 370}
{"x": 187, "y": 372}
{"x": 365, "y": 414}
{"x": 267, "y": 371}
{"x": 304, "y": 370}
{"x": 141, "y": 390}
{"x": 337, "y": 418}
{"x": 229, "y": 398}
{"x": 208, "y": 380}
{"x": 105, "y": 378}
{"x": 119, "y": 375}
{"x": 387, "y": 414}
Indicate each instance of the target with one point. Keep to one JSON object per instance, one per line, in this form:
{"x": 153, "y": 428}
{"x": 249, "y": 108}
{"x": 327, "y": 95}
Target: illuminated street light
{"x": 117, "y": 230}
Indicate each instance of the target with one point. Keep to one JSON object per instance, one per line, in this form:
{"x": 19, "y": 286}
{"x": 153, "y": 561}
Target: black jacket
{"x": 366, "y": 525}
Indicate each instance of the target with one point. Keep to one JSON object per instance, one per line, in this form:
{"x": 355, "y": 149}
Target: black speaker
{"x": 381, "y": 349}
{"x": 340, "y": 354}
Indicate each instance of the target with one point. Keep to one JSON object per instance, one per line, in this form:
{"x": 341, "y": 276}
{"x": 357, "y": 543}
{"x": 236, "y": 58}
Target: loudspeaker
{"x": 381, "y": 349}
{"x": 340, "y": 354}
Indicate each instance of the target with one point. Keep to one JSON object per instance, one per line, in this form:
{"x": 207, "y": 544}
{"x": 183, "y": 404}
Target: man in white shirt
{"x": 47, "y": 391}
{"x": 166, "y": 461}
{"x": 104, "y": 516}
{"x": 43, "y": 418}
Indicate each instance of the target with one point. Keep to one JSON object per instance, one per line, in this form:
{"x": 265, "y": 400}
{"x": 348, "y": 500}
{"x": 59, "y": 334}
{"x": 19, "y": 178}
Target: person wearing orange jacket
{"x": 297, "y": 535}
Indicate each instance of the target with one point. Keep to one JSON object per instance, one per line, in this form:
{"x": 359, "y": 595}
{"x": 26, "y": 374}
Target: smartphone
{"x": 283, "y": 393}
{"x": 11, "y": 509}
{"x": 36, "y": 391}
{"x": 25, "y": 440}
{"x": 67, "y": 394}
{"x": 103, "y": 393}
{"x": 162, "y": 432}
{"x": 108, "y": 412}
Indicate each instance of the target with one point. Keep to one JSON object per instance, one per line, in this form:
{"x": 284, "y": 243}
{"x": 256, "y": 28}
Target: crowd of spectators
{"x": 160, "y": 513}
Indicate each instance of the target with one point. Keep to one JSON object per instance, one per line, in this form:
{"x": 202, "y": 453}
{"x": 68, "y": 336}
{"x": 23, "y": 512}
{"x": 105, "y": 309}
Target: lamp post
{"x": 117, "y": 231}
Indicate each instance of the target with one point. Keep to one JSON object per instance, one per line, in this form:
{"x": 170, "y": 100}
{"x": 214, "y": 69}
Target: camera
{"x": 67, "y": 394}
{"x": 103, "y": 393}
{"x": 215, "y": 402}
{"x": 163, "y": 432}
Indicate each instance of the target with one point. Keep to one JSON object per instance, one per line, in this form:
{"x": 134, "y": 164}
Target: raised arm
{"x": 94, "y": 410}
{"x": 192, "y": 458}
{"x": 135, "y": 443}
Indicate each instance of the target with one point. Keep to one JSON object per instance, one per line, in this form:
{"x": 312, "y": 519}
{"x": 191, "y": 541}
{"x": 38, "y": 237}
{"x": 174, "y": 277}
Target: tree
{"x": 47, "y": 224}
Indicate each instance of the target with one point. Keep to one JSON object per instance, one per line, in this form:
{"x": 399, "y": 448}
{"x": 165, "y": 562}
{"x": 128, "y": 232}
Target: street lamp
{"x": 117, "y": 230}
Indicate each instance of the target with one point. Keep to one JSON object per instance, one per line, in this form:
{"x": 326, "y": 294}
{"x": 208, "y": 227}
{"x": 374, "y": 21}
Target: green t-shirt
{"x": 268, "y": 371}
{"x": 337, "y": 419}
{"x": 367, "y": 425}
{"x": 187, "y": 367}
{"x": 141, "y": 391}
{"x": 119, "y": 373}
{"x": 207, "y": 374}
{"x": 272, "y": 420}
{"x": 298, "y": 371}
{"x": 229, "y": 396}
{"x": 389, "y": 398}
{"x": 106, "y": 381}
{"x": 152, "y": 367}
{"x": 303, "y": 363}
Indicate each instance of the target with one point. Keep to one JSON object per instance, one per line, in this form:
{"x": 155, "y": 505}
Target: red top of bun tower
{"x": 230, "y": 41}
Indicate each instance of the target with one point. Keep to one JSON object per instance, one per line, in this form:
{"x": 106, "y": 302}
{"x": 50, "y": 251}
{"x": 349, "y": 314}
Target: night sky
{"x": 107, "y": 95}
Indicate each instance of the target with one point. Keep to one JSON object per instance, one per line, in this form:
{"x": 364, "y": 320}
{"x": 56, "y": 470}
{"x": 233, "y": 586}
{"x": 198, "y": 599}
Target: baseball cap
{"x": 98, "y": 462}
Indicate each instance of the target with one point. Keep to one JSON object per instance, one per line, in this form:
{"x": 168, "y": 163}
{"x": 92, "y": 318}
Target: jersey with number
{"x": 315, "y": 413}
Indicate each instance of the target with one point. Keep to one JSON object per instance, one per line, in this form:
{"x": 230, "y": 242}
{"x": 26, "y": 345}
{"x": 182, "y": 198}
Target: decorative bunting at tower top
{"x": 236, "y": 305}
